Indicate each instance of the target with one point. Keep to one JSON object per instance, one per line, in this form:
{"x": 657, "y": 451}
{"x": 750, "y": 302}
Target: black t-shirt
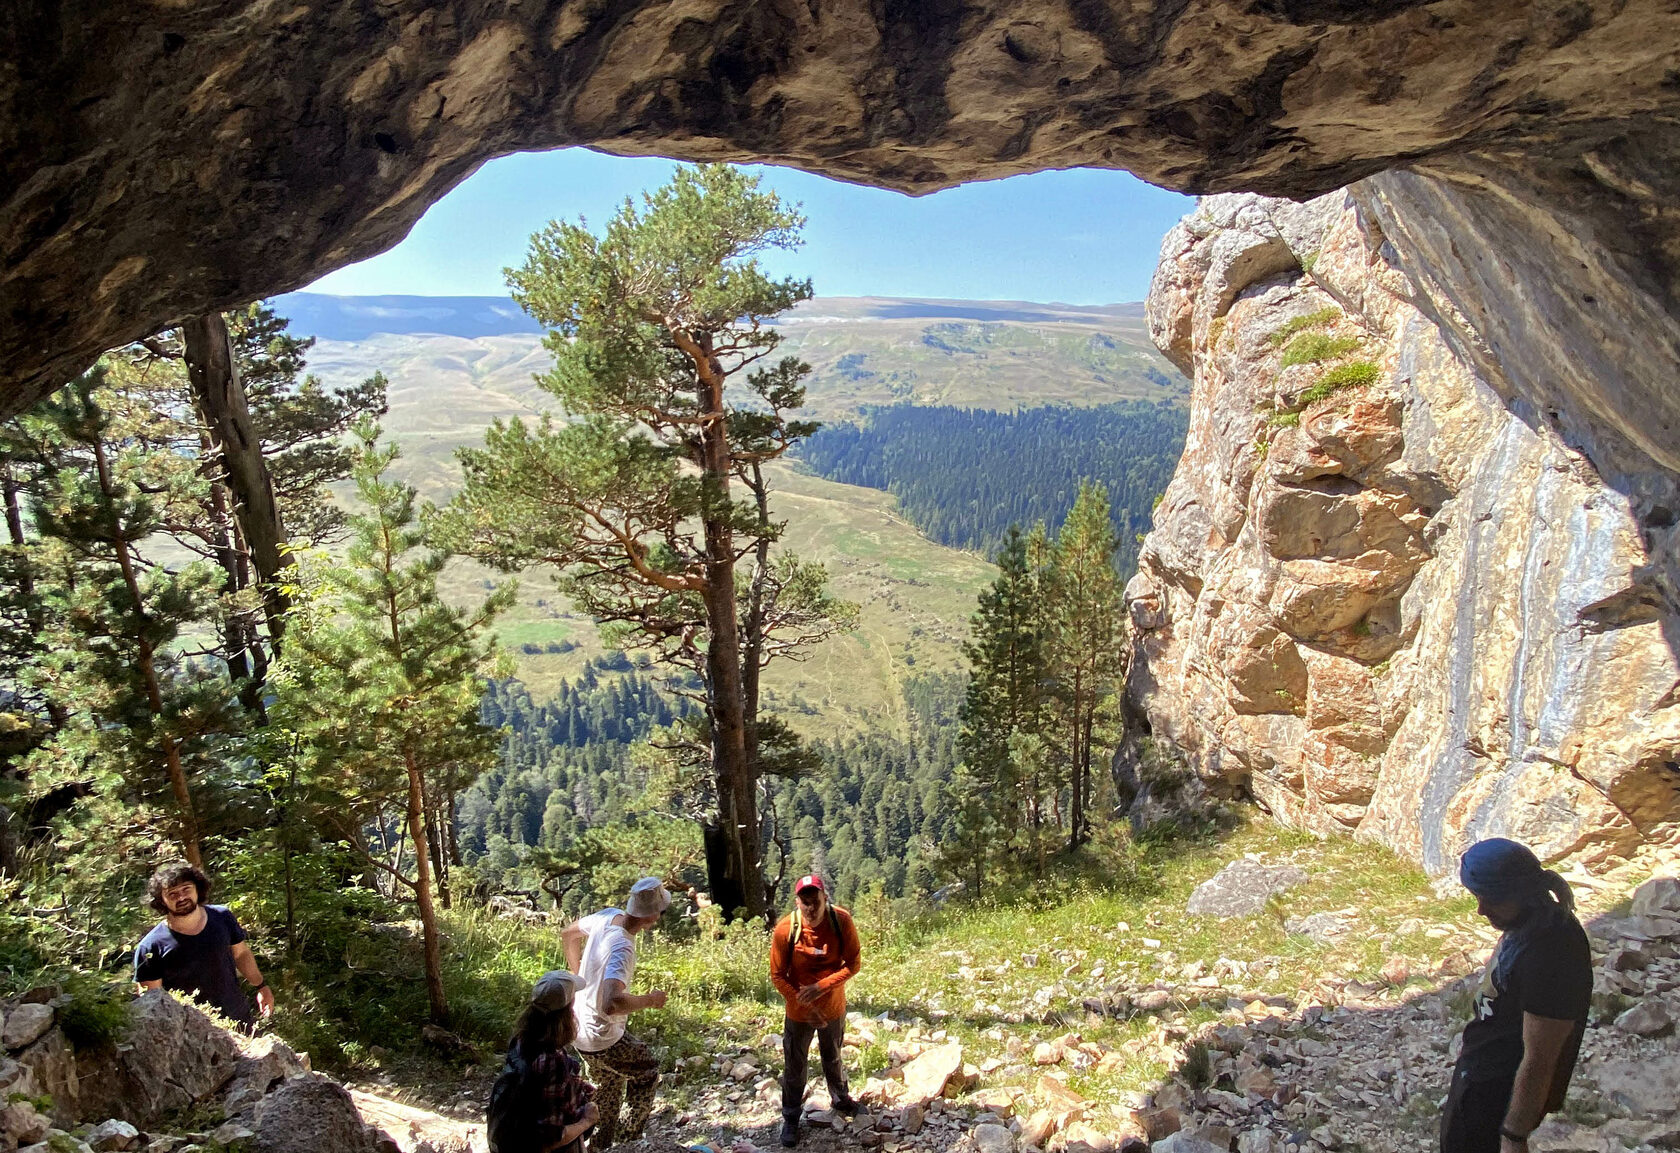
{"x": 199, "y": 963}
{"x": 1550, "y": 975}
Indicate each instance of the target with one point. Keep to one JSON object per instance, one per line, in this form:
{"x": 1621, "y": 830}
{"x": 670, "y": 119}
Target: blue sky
{"x": 1080, "y": 237}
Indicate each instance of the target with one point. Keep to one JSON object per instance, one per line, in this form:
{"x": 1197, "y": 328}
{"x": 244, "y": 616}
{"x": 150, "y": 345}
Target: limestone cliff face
{"x": 1380, "y": 596}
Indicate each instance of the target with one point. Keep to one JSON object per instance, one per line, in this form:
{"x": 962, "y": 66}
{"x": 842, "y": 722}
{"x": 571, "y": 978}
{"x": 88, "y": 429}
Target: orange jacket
{"x": 817, "y": 958}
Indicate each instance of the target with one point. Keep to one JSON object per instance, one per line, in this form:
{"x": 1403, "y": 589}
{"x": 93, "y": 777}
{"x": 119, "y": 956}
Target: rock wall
{"x": 1391, "y": 589}
{"x": 157, "y": 161}
{"x": 172, "y": 1062}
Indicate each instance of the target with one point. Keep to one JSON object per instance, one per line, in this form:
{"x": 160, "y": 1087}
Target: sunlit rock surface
{"x": 1423, "y": 609}
{"x": 158, "y": 160}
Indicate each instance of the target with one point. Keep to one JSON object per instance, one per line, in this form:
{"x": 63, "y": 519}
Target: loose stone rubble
{"x": 1337, "y": 1067}
{"x": 1340, "y": 1067}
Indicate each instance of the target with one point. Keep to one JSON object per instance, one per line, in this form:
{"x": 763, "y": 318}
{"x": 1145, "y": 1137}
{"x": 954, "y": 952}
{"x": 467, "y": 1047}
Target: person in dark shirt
{"x": 1519, "y": 1049}
{"x": 198, "y": 949}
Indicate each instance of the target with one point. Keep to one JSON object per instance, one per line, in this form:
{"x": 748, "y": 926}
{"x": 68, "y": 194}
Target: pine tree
{"x": 651, "y": 324}
{"x": 139, "y": 710}
{"x": 1007, "y": 696}
{"x": 380, "y": 689}
{"x": 1086, "y": 643}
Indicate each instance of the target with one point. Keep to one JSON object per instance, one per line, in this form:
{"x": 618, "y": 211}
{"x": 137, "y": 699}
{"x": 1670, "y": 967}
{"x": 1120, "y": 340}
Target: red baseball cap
{"x": 809, "y": 881}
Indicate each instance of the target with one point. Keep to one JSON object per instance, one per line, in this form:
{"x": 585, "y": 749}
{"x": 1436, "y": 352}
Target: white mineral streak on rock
{"x": 1413, "y": 610}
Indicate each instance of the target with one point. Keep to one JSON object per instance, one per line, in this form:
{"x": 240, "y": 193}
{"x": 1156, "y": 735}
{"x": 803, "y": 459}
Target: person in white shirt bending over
{"x": 601, "y": 949}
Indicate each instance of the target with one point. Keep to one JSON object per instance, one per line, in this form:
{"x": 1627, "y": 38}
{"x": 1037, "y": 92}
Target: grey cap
{"x": 648, "y": 898}
{"x": 555, "y": 990}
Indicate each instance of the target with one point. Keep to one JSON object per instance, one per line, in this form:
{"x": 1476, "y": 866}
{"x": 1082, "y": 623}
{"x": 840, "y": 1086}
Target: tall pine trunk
{"x": 221, "y": 399}
{"x": 420, "y": 837}
{"x": 732, "y": 769}
{"x": 56, "y": 712}
{"x": 239, "y": 641}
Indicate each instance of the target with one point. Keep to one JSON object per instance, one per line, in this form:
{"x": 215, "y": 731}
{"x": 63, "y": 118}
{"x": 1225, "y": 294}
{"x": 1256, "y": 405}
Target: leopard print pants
{"x": 625, "y": 1076}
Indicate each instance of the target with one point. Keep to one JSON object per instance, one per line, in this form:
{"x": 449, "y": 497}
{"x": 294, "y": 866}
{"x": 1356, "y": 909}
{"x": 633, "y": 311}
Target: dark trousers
{"x": 796, "y": 1053}
{"x": 1474, "y": 1111}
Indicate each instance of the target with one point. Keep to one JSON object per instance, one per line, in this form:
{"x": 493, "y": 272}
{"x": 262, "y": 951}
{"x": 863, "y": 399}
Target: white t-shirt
{"x": 608, "y": 955}
{"x": 595, "y": 922}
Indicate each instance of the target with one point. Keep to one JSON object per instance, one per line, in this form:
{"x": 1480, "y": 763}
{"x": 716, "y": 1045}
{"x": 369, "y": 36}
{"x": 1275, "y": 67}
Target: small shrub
{"x": 1308, "y": 261}
{"x": 1356, "y": 374}
{"x": 1288, "y": 419}
{"x": 1584, "y": 1107}
{"x": 1198, "y": 1066}
{"x": 1289, "y": 328}
{"x": 1313, "y": 347}
{"x": 97, "y": 1012}
{"x": 1261, "y": 448}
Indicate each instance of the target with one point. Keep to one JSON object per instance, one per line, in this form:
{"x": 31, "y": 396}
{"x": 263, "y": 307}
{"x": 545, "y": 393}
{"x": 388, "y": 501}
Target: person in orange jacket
{"x": 813, "y": 953}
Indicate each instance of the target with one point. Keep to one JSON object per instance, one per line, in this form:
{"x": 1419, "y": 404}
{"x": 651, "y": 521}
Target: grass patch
{"x": 1288, "y": 419}
{"x": 1354, "y": 374}
{"x": 1005, "y": 971}
{"x": 1315, "y": 347}
{"x": 1319, "y": 319}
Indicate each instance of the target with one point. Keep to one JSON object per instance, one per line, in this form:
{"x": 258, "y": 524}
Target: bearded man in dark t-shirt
{"x": 198, "y": 949}
{"x": 1525, "y": 1031}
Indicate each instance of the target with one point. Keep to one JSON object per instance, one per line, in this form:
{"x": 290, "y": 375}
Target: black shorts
{"x": 1474, "y": 1112}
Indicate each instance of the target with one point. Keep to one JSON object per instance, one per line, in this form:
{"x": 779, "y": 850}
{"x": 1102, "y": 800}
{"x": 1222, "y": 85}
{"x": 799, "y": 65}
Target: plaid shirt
{"x": 564, "y": 1094}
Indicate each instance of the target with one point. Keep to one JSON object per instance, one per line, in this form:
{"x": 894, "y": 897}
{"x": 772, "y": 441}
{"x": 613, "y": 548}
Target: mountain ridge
{"x": 331, "y": 316}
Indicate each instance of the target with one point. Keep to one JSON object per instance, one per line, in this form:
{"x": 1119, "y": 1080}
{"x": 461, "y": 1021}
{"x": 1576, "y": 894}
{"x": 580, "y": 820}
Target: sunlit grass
{"x": 1013, "y": 950}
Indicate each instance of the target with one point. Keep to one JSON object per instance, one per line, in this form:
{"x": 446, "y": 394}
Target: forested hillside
{"x": 566, "y": 809}
{"x": 964, "y": 476}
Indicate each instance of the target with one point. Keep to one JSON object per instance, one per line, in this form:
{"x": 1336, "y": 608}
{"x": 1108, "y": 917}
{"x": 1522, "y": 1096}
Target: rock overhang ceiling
{"x": 160, "y": 160}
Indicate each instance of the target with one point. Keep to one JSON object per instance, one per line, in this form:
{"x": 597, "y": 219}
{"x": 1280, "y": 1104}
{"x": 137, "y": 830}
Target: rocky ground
{"x": 1341, "y": 1065}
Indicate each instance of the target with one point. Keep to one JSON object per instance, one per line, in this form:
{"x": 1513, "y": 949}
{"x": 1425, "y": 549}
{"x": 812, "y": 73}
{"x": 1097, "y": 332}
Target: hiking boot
{"x": 844, "y": 1105}
{"x": 790, "y": 1132}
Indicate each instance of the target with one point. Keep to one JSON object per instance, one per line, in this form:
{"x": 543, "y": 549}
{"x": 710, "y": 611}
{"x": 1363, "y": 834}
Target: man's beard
{"x": 185, "y": 907}
{"x": 1505, "y": 925}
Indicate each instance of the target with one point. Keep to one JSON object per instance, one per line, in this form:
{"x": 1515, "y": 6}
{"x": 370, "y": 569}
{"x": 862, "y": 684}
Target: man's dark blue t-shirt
{"x": 199, "y": 963}
{"x": 1546, "y": 969}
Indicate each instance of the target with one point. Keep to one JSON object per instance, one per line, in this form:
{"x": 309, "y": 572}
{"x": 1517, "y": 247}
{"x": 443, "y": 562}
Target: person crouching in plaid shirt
{"x": 553, "y": 1110}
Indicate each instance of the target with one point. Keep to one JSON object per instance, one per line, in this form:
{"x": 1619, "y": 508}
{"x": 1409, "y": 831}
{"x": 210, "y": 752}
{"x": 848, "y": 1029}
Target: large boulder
{"x": 113, "y": 1136}
{"x": 51, "y": 1067}
{"x": 309, "y": 1114}
{"x": 1646, "y": 1088}
{"x": 264, "y": 1064}
{"x": 1658, "y": 897}
{"x": 24, "y": 1025}
{"x": 172, "y": 1056}
{"x": 1242, "y": 889}
{"x": 925, "y": 1077}
{"x": 21, "y": 1124}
